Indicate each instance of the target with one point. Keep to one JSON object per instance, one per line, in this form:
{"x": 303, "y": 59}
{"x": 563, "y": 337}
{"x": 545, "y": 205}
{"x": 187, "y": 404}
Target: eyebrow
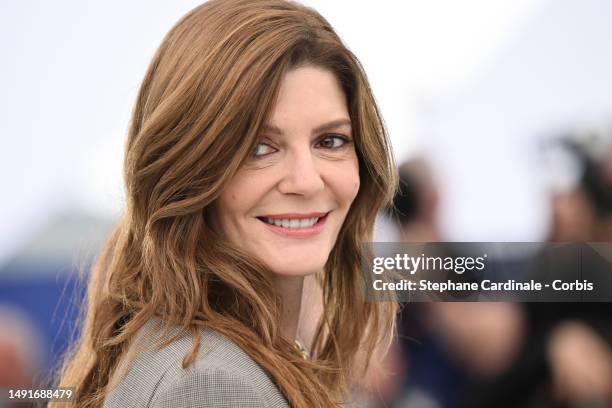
{"x": 334, "y": 124}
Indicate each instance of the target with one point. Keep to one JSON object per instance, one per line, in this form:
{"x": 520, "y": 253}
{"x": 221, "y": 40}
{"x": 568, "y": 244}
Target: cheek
{"x": 243, "y": 193}
{"x": 346, "y": 181}
{"x": 230, "y": 205}
{"x": 353, "y": 177}
{"x": 226, "y": 204}
{"x": 355, "y": 183}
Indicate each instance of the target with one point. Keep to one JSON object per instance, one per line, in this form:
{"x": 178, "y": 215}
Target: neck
{"x": 290, "y": 289}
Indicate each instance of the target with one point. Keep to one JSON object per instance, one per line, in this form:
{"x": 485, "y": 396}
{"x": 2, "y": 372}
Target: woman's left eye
{"x": 333, "y": 141}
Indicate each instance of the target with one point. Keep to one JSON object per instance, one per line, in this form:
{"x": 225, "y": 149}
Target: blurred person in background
{"x": 565, "y": 359}
{"x": 20, "y": 352}
{"x": 416, "y": 202}
{"x": 579, "y": 348}
{"x": 582, "y": 210}
{"x": 447, "y": 347}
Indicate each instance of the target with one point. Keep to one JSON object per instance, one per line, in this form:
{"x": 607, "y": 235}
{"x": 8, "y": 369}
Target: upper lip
{"x": 294, "y": 216}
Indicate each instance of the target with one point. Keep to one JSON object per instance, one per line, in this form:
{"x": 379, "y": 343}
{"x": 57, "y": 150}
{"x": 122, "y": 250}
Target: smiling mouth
{"x": 294, "y": 222}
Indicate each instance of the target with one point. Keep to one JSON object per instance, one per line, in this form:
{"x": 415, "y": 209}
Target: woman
{"x": 255, "y": 157}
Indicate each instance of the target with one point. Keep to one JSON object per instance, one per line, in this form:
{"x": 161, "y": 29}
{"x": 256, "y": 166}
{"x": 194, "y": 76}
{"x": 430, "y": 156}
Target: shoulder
{"x": 223, "y": 375}
{"x": 211, "y": 388}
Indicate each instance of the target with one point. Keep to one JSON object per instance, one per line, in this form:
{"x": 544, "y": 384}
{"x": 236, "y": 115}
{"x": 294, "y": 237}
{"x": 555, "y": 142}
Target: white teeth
{"x": 292, "y": 223}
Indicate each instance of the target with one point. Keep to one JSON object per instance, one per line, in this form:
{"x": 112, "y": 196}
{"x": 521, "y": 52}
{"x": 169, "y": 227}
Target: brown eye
{"x": 333, "y": 142}
{"x": 262, "y": 149}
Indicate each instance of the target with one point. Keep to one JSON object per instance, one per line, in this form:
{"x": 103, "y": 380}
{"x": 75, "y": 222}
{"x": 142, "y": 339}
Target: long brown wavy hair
{"x": 197, "y": 118}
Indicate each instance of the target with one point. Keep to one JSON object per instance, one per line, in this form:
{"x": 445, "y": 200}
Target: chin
{"x": 302, "y": 271}
{"x": 301, "y": 260}
{"x": 297, "y": 268}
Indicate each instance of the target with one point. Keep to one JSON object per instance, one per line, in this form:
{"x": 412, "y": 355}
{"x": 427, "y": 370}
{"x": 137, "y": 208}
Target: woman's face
{"x": 287, "y": 203}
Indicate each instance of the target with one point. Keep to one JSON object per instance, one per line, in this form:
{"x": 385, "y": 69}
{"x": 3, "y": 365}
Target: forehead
{"x": 308, "y": 97}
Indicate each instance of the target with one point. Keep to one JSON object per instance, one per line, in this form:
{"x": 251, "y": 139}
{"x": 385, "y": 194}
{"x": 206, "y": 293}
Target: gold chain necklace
{"x": 299, "y": 347}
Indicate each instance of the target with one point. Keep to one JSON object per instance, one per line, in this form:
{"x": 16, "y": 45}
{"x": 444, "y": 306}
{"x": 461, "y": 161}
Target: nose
{"x": 300, "y": 174}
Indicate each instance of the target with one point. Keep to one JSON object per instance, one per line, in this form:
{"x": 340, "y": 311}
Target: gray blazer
{"x": 223, "y": 375}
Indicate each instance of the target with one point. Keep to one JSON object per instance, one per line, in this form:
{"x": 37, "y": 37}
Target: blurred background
{"x": 500, "y": 116}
